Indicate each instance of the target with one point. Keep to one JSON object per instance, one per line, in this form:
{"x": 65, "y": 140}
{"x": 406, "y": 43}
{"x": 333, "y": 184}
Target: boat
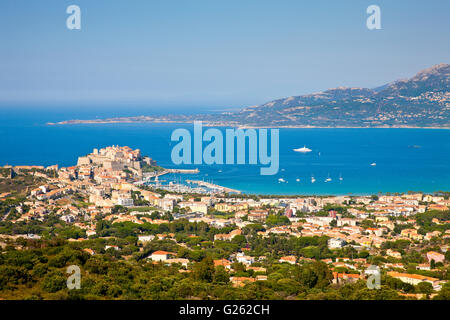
{"x": 303, "y": 150}
{"x": 373, "y": 164}
{"x": 313, "y": 180}
{"x": 298, "y": 180}
{"x": 340, "y": 178}
{"x": 281, "y": 180}
{"x": 328, "y": 179}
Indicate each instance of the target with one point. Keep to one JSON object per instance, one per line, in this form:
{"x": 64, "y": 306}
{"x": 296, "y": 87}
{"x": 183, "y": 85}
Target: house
{"x": 90, "y": 251}
{"x": 229, "y": 236}
{"x": 394, "y": 265}
{"x": 91, "y": 233}
{"x": 411, "y": 233}
{"x": 372, "y": 270}
{"x": 415, "y": 279}
{"x": 376, "y": 231}
{"x": 242, "y": 258}
{"x": 288, "y": 259}
{"x": 394, "y": 254}
{"x": 195, "y": 206}
{"x": 125, "y": 201}
{"x": 336, "y": 243}
{"x": 241, "y": 281}
{"x": 183, "y": 262}
{"x": 433, "y": 234}
{"x": 220, "y": 223}
{"x": 345, "y": 277}
{"x": 256, "y": 217}
{"x": 346, "y": 221}
{"x": 437, "y": 207}
{"x": 146, "y": 238}
{"x": 114, "y": 247}
{"x": 225, "y": 207}
{"x": 436, "y": 256}
{"x": 160, "y": 255}
{"x": 423, "y": 266}
{"x": 166, "y": 204}
{"x": 68, "y": 218}
{"x": 257, "y": 269}
{"x": 222, "y": 262}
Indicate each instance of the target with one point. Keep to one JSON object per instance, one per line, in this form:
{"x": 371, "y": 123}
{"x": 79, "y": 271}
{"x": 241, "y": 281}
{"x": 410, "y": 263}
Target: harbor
{"x": 177, "y": 184}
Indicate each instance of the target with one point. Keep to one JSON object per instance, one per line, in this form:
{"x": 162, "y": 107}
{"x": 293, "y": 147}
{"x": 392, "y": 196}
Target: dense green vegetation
{"x": 148, "y": 168}
{"x": 424, "y": 220}
{"x": 39, "y": 272}
{"x": 19, "y": 184}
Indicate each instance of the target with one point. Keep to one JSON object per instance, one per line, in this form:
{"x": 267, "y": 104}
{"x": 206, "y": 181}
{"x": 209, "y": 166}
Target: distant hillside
{"x": 422, "y": 101}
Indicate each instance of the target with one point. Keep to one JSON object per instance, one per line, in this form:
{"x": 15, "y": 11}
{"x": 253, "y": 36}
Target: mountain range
{"x": 421, "y": 101}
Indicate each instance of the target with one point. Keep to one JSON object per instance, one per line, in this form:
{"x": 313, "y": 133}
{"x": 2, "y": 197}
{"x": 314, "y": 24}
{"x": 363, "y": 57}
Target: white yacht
{"x": 303, "y": 150}
{"x": 281, "y": 180}
{"x": 373, "y": 164}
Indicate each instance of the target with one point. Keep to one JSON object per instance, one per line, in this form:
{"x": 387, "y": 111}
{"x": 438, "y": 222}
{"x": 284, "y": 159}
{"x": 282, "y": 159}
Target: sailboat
{"x": 340, "y": 177}
{"x": 313, "y": 179}
{"x": 328, "y": 179}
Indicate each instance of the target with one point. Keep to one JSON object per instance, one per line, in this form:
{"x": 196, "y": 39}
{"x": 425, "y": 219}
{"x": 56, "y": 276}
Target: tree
{"x": 276, "y": 220}
{"x": 238, "y": 267}
{"x": 10, "y": 275}
{"x": 316, "y": 275}
{"x": 204, "y": 270}
{"x": 432, "y": 264}
{"x": 239, "y": 240}
{"x": 221, "y": 275}
{"x": 53, "y": 282}
{"x": 364, "y": 254}
{"x": 424, "y": 287}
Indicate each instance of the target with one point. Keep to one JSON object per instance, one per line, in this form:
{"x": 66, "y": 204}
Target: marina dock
{"x": 213, "y": 186}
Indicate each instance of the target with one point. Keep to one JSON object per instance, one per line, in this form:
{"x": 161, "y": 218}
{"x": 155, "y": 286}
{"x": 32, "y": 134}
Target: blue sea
{"x": 406, "y": 159}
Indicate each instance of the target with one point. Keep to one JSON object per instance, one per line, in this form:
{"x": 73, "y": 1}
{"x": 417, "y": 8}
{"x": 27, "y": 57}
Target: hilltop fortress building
{"x": 116, "y": 158}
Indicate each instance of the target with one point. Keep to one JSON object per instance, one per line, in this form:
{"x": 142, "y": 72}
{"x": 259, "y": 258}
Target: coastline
{"x": 209, "y": 124}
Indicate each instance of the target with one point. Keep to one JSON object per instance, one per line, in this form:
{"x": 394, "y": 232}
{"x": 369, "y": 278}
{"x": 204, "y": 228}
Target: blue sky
{"x": 208, "y": 53}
